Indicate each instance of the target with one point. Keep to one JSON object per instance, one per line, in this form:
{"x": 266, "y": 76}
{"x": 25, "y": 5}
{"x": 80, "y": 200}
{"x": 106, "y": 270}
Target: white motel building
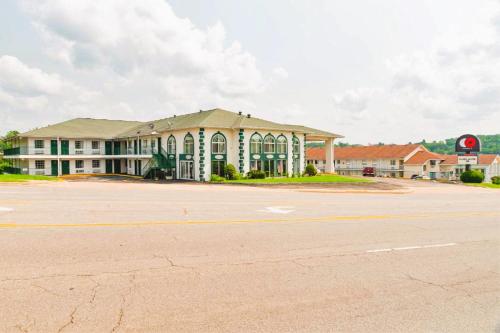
{"x": 190, "y": 146}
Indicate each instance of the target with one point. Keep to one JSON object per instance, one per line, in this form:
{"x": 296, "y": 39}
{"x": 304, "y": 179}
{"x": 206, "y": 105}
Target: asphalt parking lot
{"x": 96, "y": 256}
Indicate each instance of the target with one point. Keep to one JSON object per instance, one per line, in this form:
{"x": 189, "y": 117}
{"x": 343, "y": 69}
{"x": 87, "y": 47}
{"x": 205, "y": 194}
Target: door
{"x": 187, "y": 170}
{"x": 281, "y": 168}
{"x": 269, "y": 168}
{"x": 116, "y": 148}
{"x": 108, "y": 148}
{"x": 53, "y": 147}
{"x": 218, "y": 168}
{"x": 118, "y": 168}
{"x": 65, "y": 166}
{"x": 139, "y": 167}
{"x": 65, "y": 147}
{"x": 109, "y": 166}
{"x": 54, "y": 168}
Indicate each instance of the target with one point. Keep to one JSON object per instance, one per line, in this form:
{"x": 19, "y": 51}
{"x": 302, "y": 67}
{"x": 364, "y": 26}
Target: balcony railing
{"x": 83, "y": 151}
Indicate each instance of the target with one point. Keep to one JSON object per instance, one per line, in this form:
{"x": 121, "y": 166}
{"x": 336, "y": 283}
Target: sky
{"x": 373, "y": 71}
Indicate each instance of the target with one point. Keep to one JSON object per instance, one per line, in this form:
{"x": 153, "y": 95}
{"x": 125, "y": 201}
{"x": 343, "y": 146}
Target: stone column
{"x": 329, "y": 167}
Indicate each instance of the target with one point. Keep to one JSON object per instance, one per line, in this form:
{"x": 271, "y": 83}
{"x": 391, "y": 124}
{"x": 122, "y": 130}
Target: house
{"x": 190, "y": 146}
{"x": 423, "y": 163}
{"x": 488, "y": 164}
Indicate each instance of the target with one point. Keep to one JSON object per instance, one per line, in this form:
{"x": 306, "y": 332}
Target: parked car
{"x": 369, "y": 172}
{"x": 414, "y": 177}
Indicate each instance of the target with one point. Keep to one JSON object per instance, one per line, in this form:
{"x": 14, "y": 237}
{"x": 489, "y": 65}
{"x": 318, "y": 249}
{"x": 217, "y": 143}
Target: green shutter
{"x": 53, "y": 147}
{"x": 65, "y": 148}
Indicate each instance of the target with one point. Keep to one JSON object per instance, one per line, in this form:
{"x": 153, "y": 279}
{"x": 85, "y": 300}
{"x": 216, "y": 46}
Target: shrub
{"x": 495, "y": 180}
{"x": 256, "y": 174}
{"x": 231, "y": 172}
{"x": 472, "y": 176}
{"x": 217, "y": 179}
{"x": 311, "y": 170}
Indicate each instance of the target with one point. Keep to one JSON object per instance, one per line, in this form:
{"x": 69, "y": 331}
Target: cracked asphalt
{"x": 95, "y": 256}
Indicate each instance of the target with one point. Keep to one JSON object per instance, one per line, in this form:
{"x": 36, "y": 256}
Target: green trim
{"x": 242, "y": 151}
{"x": 202, "y": 154}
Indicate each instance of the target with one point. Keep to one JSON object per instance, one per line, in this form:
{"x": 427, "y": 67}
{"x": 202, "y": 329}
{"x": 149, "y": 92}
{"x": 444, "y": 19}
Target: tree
{"x": 4, "y": 144}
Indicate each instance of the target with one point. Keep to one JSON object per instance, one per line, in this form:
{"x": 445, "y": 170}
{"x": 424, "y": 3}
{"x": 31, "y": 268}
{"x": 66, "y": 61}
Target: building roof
{"x": 316, "y": 153}
{"x": 216, "y": 118}
{"x": 83, "y": 128}
{"x": 484, "y": 159}
{"x": 375, "y": 152}
{"x": 422, "y": 156}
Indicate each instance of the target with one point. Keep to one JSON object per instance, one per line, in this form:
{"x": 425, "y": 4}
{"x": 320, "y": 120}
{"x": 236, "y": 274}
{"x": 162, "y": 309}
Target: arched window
{"x": 188, "y": 144}
{"x": 281, "y": 145}
{"x": 171, "y": 148}
{"x": 296, "y": 145}
{"x": 269, "y": 147}
{"x": 218, "y": 144}
{"x": 256, "y": 144}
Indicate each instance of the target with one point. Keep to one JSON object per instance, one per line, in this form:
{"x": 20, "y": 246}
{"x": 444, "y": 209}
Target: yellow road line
{"x": 280, "y": 220}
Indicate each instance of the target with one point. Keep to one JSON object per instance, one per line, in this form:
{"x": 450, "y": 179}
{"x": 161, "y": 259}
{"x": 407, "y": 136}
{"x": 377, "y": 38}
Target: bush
{"x": 256, "y": 174}
{"x": 472, "y": 176}
{"x": 217, "y": 179}
{"x": 231, "y": 173}
{"x": 311, "y": 170}
{"x": 495, "y": 180}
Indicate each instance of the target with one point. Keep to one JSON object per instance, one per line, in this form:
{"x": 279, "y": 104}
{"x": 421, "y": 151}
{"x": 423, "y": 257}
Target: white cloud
{"x": 452, "y": 88}
{"x": 280, "y": 72}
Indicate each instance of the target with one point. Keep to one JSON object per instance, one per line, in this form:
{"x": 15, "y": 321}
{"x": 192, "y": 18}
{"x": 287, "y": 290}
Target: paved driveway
{"x": 138, "y": 257}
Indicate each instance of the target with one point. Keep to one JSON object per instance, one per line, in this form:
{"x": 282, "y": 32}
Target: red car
{"x": 369, "y": 172}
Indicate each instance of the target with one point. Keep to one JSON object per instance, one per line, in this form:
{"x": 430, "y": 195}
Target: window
{"x": 79, "y": 164}
{"x": 95, "y": 145}
{"x": 39, "y": 164}
{"x": 393, "y": 162}
{"x": 269, "y": 147}
{"x": 189, "y": 144}
{"x": 363, "y": 162}
{"x": 78, "y": 144}
{"x": 218, "y": 144}
{"x": 256, "y": 144}
{"x": 433, "y": 163}
{"x": 145, "y": 143}
{"x": 281, "y": 145}
{"x": 96, "y": 164}
{"x": 296, "y": 145}
{"x": 171, "y": 145}
{"x": 39, "y": 144}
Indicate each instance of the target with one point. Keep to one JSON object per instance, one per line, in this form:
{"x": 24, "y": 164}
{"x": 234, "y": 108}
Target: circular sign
{"x": 468, "y": 143}
{"x": 219, "y": 157}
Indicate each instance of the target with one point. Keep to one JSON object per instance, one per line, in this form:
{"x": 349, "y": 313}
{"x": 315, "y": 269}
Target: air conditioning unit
{"x": 96, "y": 152}
{"x": 78, "y": 152}
{"x": 39, "y": 152}
{"x": 39, "y": 172}
{"x": 79, "y": 171}
{"x": 96, "y": 171}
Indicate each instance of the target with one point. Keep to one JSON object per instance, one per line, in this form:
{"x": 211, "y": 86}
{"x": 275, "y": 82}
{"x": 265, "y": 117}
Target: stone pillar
{"x": 329, "y": 166}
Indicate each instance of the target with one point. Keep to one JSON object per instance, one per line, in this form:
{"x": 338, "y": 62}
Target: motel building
{"x": 190, "y": 146}
{"x": 403, "y": 161}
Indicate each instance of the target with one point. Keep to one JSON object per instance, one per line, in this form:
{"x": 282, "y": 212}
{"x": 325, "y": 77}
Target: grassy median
{"x": 486, "y": 185}
{"x": 6, "y": 178}
{"x": 302, "y": 180}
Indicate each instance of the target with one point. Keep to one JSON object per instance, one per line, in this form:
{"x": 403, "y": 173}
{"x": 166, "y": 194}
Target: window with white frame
{"x": 393, "y": 162}
{"x": 189, "y": 144}
{"x": 269, "y": 147}
{"x": 39, "y": 144}
{"x": 218, "y": 144}
{"x": 39, "y": 164}
{"x": 79, "y": 164}
{"x": 79, "y": 145}
{"x": 281, "y": 145}
{"x": 95, "y": 145}
{"x": 96, "y": 164}
{"x": 296, "y": 145}
{"x": 171, "y": 145}
{"x": 256, "y": 144}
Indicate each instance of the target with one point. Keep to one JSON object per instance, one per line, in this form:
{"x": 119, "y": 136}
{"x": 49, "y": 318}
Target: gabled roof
{"x": 375, "y": 152}
{"x": 421, "y": 157}
{"x": 216, "y": 118}
{"x": 484, "y": 159}
{"x": 83, "y": 128}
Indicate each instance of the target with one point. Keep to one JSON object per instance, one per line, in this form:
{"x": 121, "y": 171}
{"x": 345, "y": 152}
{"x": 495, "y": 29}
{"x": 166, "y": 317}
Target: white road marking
{"x": 6, "y": 209}
{"x": 278, "y": 210}
{"x": 410, "y": 247}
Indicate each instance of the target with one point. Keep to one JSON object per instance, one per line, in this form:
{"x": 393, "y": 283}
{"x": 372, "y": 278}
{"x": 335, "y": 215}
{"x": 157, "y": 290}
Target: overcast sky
{"x": 371, "y": 70}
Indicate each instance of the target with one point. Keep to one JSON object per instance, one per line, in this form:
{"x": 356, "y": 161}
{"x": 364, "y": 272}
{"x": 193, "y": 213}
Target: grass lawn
{"x": 487, "y": 185}
{"x": 23, "y": 178}
{"x": 314, "y": 179}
